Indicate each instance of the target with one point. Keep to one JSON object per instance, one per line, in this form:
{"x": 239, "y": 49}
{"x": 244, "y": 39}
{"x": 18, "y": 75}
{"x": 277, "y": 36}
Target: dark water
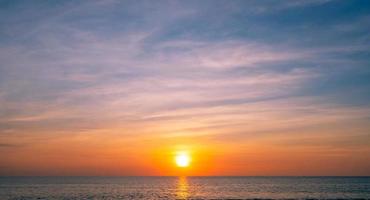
{"x": 184, "y": 188}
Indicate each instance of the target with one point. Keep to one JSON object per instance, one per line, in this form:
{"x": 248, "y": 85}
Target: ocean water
{"x": 184, "y": 188}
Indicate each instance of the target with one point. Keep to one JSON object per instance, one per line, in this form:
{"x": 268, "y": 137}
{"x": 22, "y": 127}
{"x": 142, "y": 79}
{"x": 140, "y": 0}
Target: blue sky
{"x": 69, "y": 68}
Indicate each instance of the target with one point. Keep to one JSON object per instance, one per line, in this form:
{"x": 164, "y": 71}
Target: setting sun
{"x": 182, "y": 159}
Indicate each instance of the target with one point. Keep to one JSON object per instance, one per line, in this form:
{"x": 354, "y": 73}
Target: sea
{"x": 67, "y": 188}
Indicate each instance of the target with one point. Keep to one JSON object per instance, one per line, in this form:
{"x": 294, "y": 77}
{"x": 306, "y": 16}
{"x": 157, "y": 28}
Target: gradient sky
{"x": 246, "y": 87}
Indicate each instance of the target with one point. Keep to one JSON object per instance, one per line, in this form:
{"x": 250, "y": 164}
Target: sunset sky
{"x": 111, "y": 87}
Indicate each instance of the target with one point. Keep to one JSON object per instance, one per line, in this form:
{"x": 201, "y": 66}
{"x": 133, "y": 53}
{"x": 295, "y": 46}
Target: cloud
{"x": 263, "y": 7}
{"x": 225, "y": 54}
{"x": 132, "y": 77}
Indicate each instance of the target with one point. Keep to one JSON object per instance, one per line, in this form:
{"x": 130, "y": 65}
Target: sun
{"x": 182, "y": 159}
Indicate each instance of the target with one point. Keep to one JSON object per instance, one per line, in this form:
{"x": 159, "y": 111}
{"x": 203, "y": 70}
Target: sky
{"x": 115, "y": 88}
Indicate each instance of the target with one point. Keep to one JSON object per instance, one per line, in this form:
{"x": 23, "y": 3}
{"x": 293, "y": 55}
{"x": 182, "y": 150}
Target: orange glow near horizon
{"x": 95, "y": 155}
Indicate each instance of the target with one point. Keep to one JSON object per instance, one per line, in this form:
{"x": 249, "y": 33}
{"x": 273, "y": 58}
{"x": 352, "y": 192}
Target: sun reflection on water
{"x": 182, "y": 188}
